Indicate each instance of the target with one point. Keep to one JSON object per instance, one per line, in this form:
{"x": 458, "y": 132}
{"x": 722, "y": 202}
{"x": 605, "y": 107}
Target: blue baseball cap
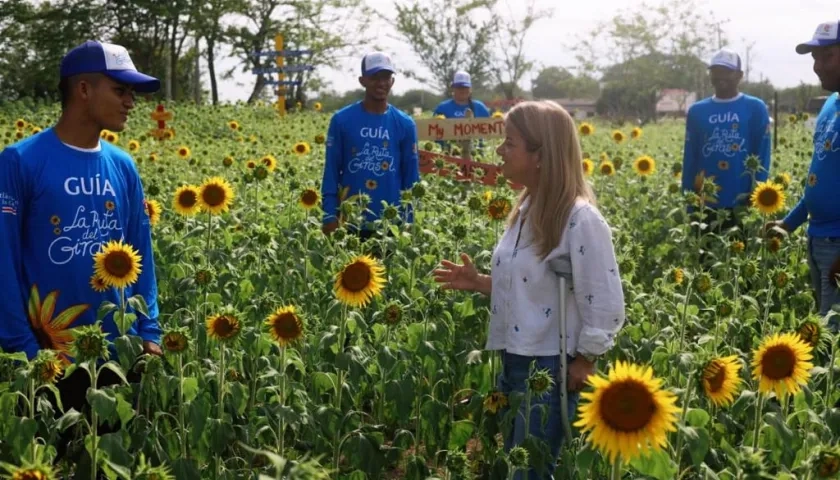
{"x": 376, "y": 62}
{"x": 827, "y": 33}
{"x": 461, "y": 79}
{"x": 110, "y": 60}
{"x": 726, "y": 58}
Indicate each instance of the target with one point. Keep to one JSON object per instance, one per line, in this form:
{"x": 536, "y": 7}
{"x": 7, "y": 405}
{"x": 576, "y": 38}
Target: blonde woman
{"x": 554, "y": 230}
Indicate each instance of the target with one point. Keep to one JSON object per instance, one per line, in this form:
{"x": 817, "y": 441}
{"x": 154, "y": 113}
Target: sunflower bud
{"x": 90, "y": 343}
{"x": 393, "y": 313}
{"x": 261, "y": 173}
{"x": 518, "y": 457}
{"x": 353, "y": 242}
{"x": 736, "y": 247}
{"x": 753, "y": 163}
{"x": 825, "y": 462}
{"x": 176, "y": 340}
{"x": 540, "y": 382}
{"x": 811, "y": 332}
{"x": 153, "y": 190}
{"x": 677, "y": 275}
{"x": 494, "y": 402}
{"x": 673, "y": 188}
{"x": 47, "y": 367}
{"x": 203, "y": 277}
{"x": 703, "y": 282}
{"x": 418, "y": 191}
{"x": 475, "y": 203}
{"x": 459, "y": 232}
{"x": 390, "y": 212}
{"x": 501, "y": 181}
{"x": 458, "y": 464}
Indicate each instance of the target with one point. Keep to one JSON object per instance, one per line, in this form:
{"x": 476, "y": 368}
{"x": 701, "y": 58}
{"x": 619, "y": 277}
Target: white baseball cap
{"x": 726, "y": 58}
{"x": 461, "y": 79}
{"x": 827, "y": 33}
{"x": 110, "y": 60}
{"x": 376, "y": 62}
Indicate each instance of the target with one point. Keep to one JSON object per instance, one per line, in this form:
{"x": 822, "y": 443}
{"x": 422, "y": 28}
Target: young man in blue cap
{"x": 720, "y": 133}
{"x": 371, "y": 149}
{"x": 462, "y": 102}
{"x": 65, "y": 194}
{"x": 820, "y": 204}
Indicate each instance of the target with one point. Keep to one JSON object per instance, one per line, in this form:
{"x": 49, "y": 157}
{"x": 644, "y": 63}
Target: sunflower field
{"x": 289, "y": 354}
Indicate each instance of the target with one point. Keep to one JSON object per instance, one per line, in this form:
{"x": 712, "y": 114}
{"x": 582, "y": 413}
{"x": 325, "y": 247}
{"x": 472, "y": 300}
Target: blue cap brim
{"x": 461, "y": 84}
{"x": 375, "y": 70}
{"x": 726, "y": 66}
{"x": 809, "y": 47}
{"x": 141, "y": 82}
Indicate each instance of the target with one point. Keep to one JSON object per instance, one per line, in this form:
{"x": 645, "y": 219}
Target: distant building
{"x": 674, "y": 102}
{"x": 580, "y": 108}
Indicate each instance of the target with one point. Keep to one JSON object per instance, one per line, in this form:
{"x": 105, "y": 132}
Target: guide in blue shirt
{"x": 371, "y": 149}
{"x": 820, "y": 204}
{"x": 721, "y": 132}
{"x": 64, "y": 194}
{"x": 461, "y": 102}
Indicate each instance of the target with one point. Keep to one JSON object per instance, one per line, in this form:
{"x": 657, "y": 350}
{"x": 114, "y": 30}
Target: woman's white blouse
{"x": 525, "y": 295}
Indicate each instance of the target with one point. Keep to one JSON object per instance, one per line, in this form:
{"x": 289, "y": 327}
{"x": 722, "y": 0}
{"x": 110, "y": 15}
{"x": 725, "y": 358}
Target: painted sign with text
{"x": 459, "y": 128}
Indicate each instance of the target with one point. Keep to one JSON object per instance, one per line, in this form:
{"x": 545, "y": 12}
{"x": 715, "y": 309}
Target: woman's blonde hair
{"x": 549, "y": 130}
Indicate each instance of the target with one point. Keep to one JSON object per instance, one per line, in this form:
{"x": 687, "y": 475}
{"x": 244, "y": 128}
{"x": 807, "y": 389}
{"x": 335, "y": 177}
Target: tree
{"x": 557, "y": 82}
{"x": 510, "y": 64}
{"x": 207, "y": 24}
{"x": 656, "y": 48}
{"x": 446, "y": 36}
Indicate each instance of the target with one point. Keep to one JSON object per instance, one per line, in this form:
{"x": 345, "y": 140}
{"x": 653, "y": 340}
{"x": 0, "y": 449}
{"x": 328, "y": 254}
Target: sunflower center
{"x": 829, "y": 466}
{"x": 714, "y": 376}
{"x": 627, "y": 406}
{"x": 286, "y": 325}
{"x": 356, "y": 277}
{"x": 768, "y": 197}
{"x": 309, "y": 197}
{"x": 213, "y": 195}
{"x": 118, "y": 264}
{"x": 778, "y": 362}
{"x": 224, "y": 327}
{"x": 644, "y": 165}
{"x": 188, "y": 199}
{"x": 300, "y": 148}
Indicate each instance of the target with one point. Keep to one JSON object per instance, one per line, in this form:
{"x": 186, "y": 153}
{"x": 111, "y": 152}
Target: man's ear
{"x": 362, "y": 82}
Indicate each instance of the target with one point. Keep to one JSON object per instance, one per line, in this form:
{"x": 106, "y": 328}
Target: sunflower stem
{"x": 32, "y": 415}
{"x": 829, "y": 386}
{"x": 686, "y": 401}
{"x": 207, "y": 262}
{"x": 221, "y": 397}
{"x": 758, "y": 421}
{"x": 181, "y": 422}
{"x": 282, "y": 400}
{"x": 94, "y": 420}
{"x": 616, "y": 468}
{"x": 684, "y": 314}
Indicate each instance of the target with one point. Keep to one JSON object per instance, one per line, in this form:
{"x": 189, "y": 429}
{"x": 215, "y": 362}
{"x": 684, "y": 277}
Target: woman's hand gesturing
{"x": 458, "y": 277}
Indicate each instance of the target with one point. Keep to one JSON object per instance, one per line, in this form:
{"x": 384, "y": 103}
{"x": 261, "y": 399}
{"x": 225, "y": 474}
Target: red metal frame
{"x": 464, "y": 173}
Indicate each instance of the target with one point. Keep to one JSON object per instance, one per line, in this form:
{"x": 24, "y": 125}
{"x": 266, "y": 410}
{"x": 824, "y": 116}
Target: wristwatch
{"x": 588, "y": 357}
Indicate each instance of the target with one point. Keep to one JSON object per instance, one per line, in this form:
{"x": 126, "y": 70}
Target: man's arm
{"x": 690, "y": 157}
{"x": 409, "y": 163}
{"x": 332, "y": 169}
{"x": 15, "y": 332}
{"x": 139, "y": 236}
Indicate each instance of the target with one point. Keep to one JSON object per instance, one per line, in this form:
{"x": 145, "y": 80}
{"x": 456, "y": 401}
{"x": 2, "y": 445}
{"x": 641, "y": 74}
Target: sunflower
{"x": 320, "y": 139}
{"x": 586, "y": 129}
{"x": 112, "y": 137}
{"x": 285, "y": 325}
{"x": 359, "y": 281}
{"x": 494, "y": 402}
{"x": 184, "y": 152}
{"x": 588, "y": 166}
{"x": 606, "y": 168}
{"x": 20, "y": 123}
{"x": 51, "y": 329}
{"x": 498, "y": 208}
{"x": 309, "y": 198}
{"x": 618, "y": 136}
{"x": 186, "y": 200}
{"x": 251, "y": 164}
{"x": 215, "y": 195}
{"x": 117, "y": 264}
{"x": 175, "y": 341}
{"x": 233, "y": 125}
{"x": 781, "y": 364}
{"x": 814, "y": 333}
{"x": 720, "y": 380}
{"x": 153, "y": 209}
{"x": 302, "y": 148}
{"x": 270, "y": 162}
{"x": 317, "y": 106}
{"x": 47, "y": 366}
{"x": 644, "y": 165}
{"x": 97, "y": 284}
{"x": 768, "y": 198}
{"x": 812, "y": 179}
{"x": 496, "y": 114}
{"x": 223, "y": 327}
{"x": 628, "y": 413}
{"x": 55, "y": 220}
{"x": 636, "y": 133}
{"x": 133, "y": 145}
{"x": 33, "y": 473}
{"x": 783, "y": 179}
{"x": 153, "y": 157}
{"x": 678, "y": 275}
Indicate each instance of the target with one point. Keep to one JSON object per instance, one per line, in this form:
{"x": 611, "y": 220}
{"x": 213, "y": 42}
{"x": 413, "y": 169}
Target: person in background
{"x": 554, "y": 223}
{"x": 720, "y": 133}
{"x": 820, "y": 204}
{"x": 371, "y": 149}
{"x": 461, "y": 105}
{"x": 64, "y": 194}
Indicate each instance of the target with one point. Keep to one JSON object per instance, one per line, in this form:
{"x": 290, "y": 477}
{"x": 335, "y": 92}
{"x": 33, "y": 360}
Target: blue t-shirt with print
{"x": 372, "y": 154}
{"x": 820, "y": 204}
{"x": 451, "y": 109}
{"x": 719, "y": 136}
{"x": 58, "y": 207}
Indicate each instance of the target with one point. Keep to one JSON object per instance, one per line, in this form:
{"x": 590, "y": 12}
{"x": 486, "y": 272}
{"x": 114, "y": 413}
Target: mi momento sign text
{"x": 459, "y": 128}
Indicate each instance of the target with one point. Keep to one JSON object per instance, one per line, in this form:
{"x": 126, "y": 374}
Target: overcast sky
{"x": 775, "y": 27}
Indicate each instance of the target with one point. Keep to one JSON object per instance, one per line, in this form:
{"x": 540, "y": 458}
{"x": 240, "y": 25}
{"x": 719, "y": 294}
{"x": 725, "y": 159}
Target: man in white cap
{"x": 820, "y": 204}
{"x": 462, "y": 105}
{"x": 721, "y": 132}
{"x": 371, "y": 149}
{"x": 64, "y": 194}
